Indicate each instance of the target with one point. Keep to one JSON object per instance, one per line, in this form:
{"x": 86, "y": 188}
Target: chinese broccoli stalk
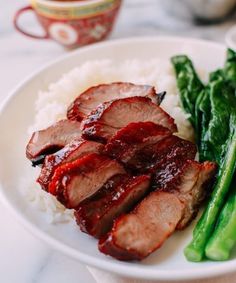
{"x": 223, "y": 238}
{"x": 212, "y": 110}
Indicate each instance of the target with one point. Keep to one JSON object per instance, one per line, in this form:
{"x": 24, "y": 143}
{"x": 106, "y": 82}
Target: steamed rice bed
{"x": 51, "y": 106}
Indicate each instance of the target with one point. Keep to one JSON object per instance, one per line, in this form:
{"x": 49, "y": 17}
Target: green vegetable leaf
{"x": 223, "y": 238}
{"x": 222, "y": 101}
{"x": 189, "y": 84}
{"x": 213, "y": 116}
{"x": 230, "y": 67}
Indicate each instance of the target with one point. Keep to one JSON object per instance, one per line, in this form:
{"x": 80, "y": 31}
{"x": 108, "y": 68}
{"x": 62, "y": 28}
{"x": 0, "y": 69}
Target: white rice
{"x": 51, "y": 106}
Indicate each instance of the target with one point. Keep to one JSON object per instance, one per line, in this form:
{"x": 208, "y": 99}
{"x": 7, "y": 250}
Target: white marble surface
{"x": 23, "y": 258}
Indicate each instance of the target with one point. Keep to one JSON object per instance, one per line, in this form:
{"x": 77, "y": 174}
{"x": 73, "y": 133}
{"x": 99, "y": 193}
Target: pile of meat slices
{"x": 116, "y": 161}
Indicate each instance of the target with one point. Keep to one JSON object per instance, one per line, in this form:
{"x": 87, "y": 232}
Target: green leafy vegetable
{"x": 189, "y": 84}
{"x": 204, "y": 110}
{"x": 230, "y": 67}
{"x": 195, "y": 251}
{"x": 213, "y": 116}
{"x": 224, "y": 236}
{"x": 223, "y": 105}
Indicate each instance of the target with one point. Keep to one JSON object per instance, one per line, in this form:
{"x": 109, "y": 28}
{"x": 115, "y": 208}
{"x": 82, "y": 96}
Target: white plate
{"x": 16, "y": 115}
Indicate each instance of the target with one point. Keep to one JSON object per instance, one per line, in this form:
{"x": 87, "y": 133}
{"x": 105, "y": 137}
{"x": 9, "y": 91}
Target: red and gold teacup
{"x": 72, "y": 23}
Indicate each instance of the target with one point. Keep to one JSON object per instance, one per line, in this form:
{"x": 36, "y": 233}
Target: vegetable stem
{"x": 224, "y": 237}
{"x": 196, "y": 249}
{"x": 189, "y": 84}
{"x": 212, "y": 110}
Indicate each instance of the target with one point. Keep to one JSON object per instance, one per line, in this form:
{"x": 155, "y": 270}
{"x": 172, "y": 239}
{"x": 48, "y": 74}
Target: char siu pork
{"x": 51, "y": 139}
{"x": 92, "y": 97}
{"x": 137, "y": 234}
{"x": 95, "y": 215}
{"x": 77, "y": 180}
{"x": 72, "y": 151}
{"x": 133, "y": 138}
{"x": 117, "y": 162}
{"x": 190, "y": 180}
{"x": 147, "y": 147}
{"x": 109, "y": 117}
{"x": 192, "y": 186}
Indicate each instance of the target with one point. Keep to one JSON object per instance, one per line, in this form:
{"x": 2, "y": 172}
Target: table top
{"x": 23, "y": 258}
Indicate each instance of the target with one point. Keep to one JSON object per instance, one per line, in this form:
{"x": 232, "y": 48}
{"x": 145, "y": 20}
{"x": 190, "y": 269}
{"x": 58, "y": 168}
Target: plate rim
{"x": 114, "y": 267}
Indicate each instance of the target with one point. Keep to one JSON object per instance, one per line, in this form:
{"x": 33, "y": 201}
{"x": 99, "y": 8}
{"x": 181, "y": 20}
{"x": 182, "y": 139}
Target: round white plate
{"x": 16, "y": 115}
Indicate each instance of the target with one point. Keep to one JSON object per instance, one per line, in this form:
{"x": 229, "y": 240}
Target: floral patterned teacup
{"x": 72, "y": 23}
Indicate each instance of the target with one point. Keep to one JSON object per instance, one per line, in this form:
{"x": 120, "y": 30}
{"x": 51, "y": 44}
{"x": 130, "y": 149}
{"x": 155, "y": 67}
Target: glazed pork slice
{"x": 92, "y": 97}
{"x": 51, "y": 139}
{"x": 75, "y": 181}
{"x": 151, "y": 158}
{"x": 133, "y": 138}
{"x": 144, "y": 145}
{"x": 109, "y": 117}
{"x": 72, "y": 151}
{"x": 190, "y": 180}
{"x": 137, "y": 234}
{"x": 192, "y": 187}
{"x": 119, "y": 195}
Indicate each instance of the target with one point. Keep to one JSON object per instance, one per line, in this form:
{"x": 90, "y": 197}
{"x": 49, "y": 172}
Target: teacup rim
{"x": 56, "y": 3}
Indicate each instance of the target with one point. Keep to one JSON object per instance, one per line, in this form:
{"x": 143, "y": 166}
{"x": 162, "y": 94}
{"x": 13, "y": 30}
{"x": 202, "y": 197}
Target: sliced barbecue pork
{"x": 167, "y": 173}
{"x": 92, "y": 97}
{"x": 77, "y": 180}
{"x": 103, "y": 122}
{"x": 95, "y": 215}
{"x": 137, "y": 234}
{"x": 51, "y": 139}
{"x": 189, "y": 179}
{"x": 133, "y": 138}
{"x": 152, "y": 158}
{"x": 72, "y": 151}
{"x": 192, "y": 186}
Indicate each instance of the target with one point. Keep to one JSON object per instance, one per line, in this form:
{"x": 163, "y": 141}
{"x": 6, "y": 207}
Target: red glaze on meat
{"x": 95, "y": 215}
{"x": 153, "y": 157}
{"x": 133, "y": 138}
{"x": 138, "y": 133}
{"x": 190, "y": 180}
{"x": 137, "y": 234}
{"x": 192, "y": 187}
{"x": 75, "y": 181}
{"x": 168, "y": 172}
{"x": 92, "y": 97}
{"x": 52, "y": 139}
{"x": 109, "y": 117}
{"x": 72, "y": 151}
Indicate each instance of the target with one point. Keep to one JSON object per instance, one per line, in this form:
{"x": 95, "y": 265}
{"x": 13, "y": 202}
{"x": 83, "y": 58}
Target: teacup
{"x": 72, "y": 23}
